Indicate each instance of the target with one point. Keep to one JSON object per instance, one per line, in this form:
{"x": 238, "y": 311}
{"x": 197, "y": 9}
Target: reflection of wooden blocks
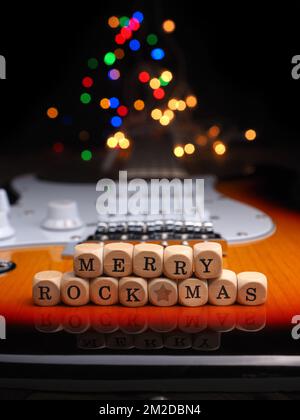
{"x": 252, "y": 288}
{"x": 88, "y": 260}
{"x": 76, "y": 322}
{"x": 178, "y": 262}
{"x": 46, "y": 288}
{"x": 192, "y": 320}
{"x": 74, "y": 290}
{"x": 148, "y": 341}
{"x": 148, "y": 260}
{"x": 252, "y": 318}
{"x": 105, "y": 320}
{"x": 222, "y": 291}
{"x": 208, "y": 260}
{"x": 118, "y": 259}
{"x": 163, "y": 292}
{"x": 119, "y": 340}
{"x": 207, "y": 341}
{"x": 221, "y": 318}
{"x": 104, "y": 291}
{"x": 193, "y": 292}
{"x": 177, "y": 340}
{"x": 91, "y": 340}
{"x": 133, "y": 291}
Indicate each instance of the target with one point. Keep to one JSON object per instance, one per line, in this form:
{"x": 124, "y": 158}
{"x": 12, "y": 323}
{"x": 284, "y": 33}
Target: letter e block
{"x": 148, "y": 260}
{"x": 222, "y": 291}
{"x": 133, "y": 291}
{"x": 118, "y": 259}
{"x": 104, "y": 291}
{"x": 74, "y": 290}
{"x": 178, "y": 262}
{"x": 46, "y": 288}
{"x": 207, "y": 260}
{"x": 88, "y": 260}
{"x": 193, "y": 292}
{"x": 252, "y": 288}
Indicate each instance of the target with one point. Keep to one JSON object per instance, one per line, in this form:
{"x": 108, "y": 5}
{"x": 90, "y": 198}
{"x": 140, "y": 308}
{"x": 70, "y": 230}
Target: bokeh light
{"x": 85, "y": 98}
{"x": 219, "y": 148}
{"x": 152, "y": 39}
{"x": 166, "y": 76}
{"x": 58, "y": 147}
{"x": 124, "y": 21}
{"x": 139, "y": 105}
{"x": 84, "y": 135}
{"x": 213, "y": 132}
{"x": 116, "y": 121}
{"x": 134, "y": 45}
{"x": 105, "y": 103}
{"x": 86, "y": 155}
{"x": 250, "y": 135}
{"x": 154, "y": 83}
{"x": 87, "y": 82}
{"x": 170, "y": 114}
{"x": 114, "y": 102}
{"x": 156, "y": 114}
{"x": 201, "y": 139}
{"x": 138, "y": 16}
{"x": 119, "y": 135}
{"x": 181, "y": 105}
{"x": 120, "y": 39}
{"x": 164, "y": 120}
{"x": 157, "y": 54}
{"x": 126, "y": 33}
{"x": 114, "y": 74}
{"x": 178, "y": 151}
{"x": 159, "y": 93}
{"x": 113, "y": 22}
{"x": 109, "y": 58}
{"x": 124, "y": 143}
{"x": 112, "y": 142}
{"x": 52, "y": 113}
{"x": 119, "y": 53}
{"x": 92, "y": 63}
{"x": 134, "y": 24}
{"x": 191, "y": 101}
{"x": 144, "y": 77}
{"x": 122, "y": 111}
{"x": 172, "y": 104}
{"x": 189, "y": 149}
{"x": 169, "y": 26}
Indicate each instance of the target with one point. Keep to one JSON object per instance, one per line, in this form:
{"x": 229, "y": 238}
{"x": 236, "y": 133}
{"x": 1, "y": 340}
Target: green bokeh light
{"x": 92, "y": 63}
{"x": 85, "y": 98}
{"x": 152, "y": 39}
{"x": 109, "y": 58}
{"x": 163, "y": 82}
{"x": 86, "y": 155}
{"x": 124, "y": 21}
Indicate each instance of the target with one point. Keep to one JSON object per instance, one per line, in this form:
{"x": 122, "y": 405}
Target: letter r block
{"x": 148, "y": 260}
{"x": 207, "y": 260}
{"x": 88, "y": 260}
{"x": 117, "y": 259}
{"x": 46, "y": 288}
{"x": 252, "y": 288}
{"x": 178, "y": 262}
{"x": 133, "y": 291}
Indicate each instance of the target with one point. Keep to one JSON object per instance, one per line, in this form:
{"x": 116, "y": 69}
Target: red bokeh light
{"x": 87, "y": 82}
{"x": 120, "y": 40}
{"x": 122, "y": 111}
{"x": 159, "y": 93}
{"x": 144, "y": 77}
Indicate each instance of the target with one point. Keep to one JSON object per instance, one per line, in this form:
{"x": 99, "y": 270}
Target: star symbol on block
{"x": 162, "y": 293}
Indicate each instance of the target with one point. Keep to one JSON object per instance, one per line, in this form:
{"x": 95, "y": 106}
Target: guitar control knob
{"x": 62, "y": 215}
{"x": 4, "y": 202}
{"x": 6, "y": 230}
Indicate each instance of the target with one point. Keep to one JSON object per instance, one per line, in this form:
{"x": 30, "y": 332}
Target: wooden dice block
{"x": 252, "y": 288}
{"x": 117, "y": 259}
{"x": 104, "y": 291}
{"x": 207, "y": 341}
{"x": 148, "y": 260}
{"x": 207, "y": 260}
{"x": 88, "y": 260}
{"x": 46, "y": 288}
{"x": 74, "y": 290}
{"x": 193, "y": 292}
{"x": 133, "y": 291}
{"x": 222, "y": 291}
{"x": 178, "y": 262}
{"x": 163, "y": 292}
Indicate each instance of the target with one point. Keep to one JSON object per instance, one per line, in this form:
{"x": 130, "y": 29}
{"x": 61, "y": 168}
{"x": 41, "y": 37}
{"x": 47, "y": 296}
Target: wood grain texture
{"x": 278, "y": 257}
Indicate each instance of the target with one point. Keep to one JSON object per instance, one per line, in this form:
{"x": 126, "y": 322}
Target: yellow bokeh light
{"x": 181, "y": 106}
{"x": 250, "y": 135}
{"x": 119, "y": 135}
{"x": 178, "y": 151}
{"x": 156, "y": 114}
{"x": 164, "y": 120}
{"x": 124, "y": 143}
{"x": 166, "y": 76}
{"x": 213, "y": 132}
{"x": 113, "y": 22}
{"x": 154, "y": 83}
{"x": 169, "y": 26}
{"x": 170, "y": 114}
{"x": 105, "y": 103}
{"x": 201, "y": 140}
{"x": 191, "y": 101}
{"x": 139, "y": 105}
{"x": 189, "y": 149}
{"x": 112, "y": 142}
{"x": 219, "y": 148}
{"x": 172, "y": 104}
{"x": 52, "y": 113}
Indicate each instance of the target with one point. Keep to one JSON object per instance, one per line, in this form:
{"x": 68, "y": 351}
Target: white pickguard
{"x": 236, "y": 222}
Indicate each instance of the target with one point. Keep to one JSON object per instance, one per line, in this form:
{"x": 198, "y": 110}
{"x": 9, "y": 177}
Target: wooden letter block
{"x": 222, "y": 291}
{"x": 193, "y": 292}
{"x": 46, "y": 288}
{"x": 133, "y": 291}
{"x": 74, "y": 290}
{"x": 178, "y": 262}
{"x": 104, "y": 291}
{"x": 207, "y": 260}
{"x": 163, "y": 292}
{"x": 148, "y": 260}
{"x": 252, "y": 288}
{"x": 118, "y": 259}
{"x": 88, "y": 260}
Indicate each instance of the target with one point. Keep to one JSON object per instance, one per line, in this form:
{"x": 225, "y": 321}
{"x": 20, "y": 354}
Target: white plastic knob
{"x": 6, "y": 230}
{"x": 62, "y": 215}
{"x": 4, "y": 202}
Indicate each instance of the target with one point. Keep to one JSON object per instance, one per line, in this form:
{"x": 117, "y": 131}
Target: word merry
{"x": 135, "y": 275}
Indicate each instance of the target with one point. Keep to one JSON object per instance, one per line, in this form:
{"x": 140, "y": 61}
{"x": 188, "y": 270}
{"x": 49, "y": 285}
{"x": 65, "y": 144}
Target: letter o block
{"x": 163, "y": 292}
{"x": 133, "y": 292}
{"x": 208, "y": 260}
{"x": 252, "y": 288}
{"x": 193, "y": 292}
{"x": 117, "y": 259}
{"x": 88, "y": 260}
{"x": 46, "y": 288}
{"x": 222, "y": 291}
{"x": 74, "y": 290}
{"x": 148, "y": 260}
{"x": 178, "y": 262}
{"x": 104, "y": 291}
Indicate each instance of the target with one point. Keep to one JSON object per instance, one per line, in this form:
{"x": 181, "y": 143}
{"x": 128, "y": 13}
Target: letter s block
{"x": 148, "y": 260}
{"x": 74, "y": 290}
{"x": 46, "y": 288}
{"x": 133, "y": 291}
{"x": 178, "y": 262}
{"x": 252, "y": 288}
{"x": 208, "y": 260}
{"x": 117, "y": 259}
{"x": 88, "y": 260}
{"x": 104, "y": 291}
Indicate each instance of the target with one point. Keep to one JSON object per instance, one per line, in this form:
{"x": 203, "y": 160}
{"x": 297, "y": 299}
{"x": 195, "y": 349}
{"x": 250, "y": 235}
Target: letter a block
{"x": 163, "y": 292}
{"x": 133, "y": 291}
{"x": 118, "y": 259}
{"x": 148, "y": 260}
{"x": 252, "y": 288}
{"x": 88, "y": 260}
{"x": 46, "y": 288}
{"x": 222, "y": 291}
{"x": 208, "y": 260}
{"x": 104, "y": 291}
{"x": 178, "y": 262}
{"x": 193, "y": 292}
{"x": 74, "y": 290}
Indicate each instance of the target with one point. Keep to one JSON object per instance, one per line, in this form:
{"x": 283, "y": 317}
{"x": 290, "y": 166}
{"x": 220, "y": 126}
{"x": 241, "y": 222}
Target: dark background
{"x": 238, "y": 61}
